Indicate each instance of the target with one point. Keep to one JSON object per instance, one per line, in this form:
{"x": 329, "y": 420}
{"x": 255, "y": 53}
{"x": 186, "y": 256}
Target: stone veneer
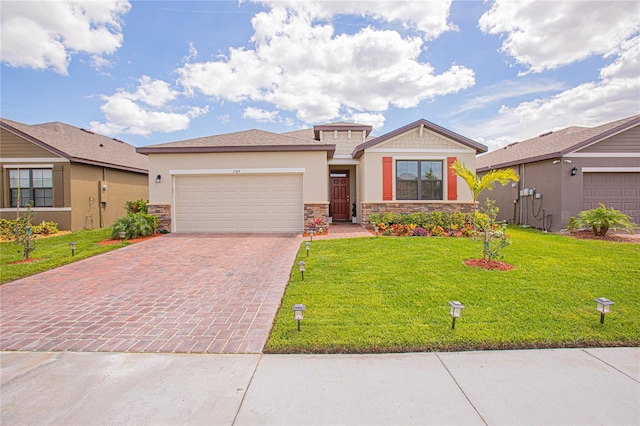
{"x": 163, "y": 213}
{"x": 314, "y": 211}
{"x": 412, "y": 207}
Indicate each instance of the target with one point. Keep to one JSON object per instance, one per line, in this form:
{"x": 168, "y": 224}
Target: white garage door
{"x": 618, "y": 190}
{"x": 239, "y": 203}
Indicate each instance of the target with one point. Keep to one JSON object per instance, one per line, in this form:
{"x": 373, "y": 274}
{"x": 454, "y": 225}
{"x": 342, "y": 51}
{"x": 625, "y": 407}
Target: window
{"x": 31, "y": 185}
{"x": 418, "y": 180}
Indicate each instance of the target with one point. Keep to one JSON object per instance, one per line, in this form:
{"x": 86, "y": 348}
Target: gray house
{"x": 567, "y": 171}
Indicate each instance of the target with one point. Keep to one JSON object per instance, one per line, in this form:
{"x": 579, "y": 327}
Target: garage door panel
{"x": 620, "y": 191}
{"x": 239, "y": 203}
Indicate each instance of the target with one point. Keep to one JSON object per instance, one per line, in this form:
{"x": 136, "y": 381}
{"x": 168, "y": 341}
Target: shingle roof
{"x": 551, "y": 145}
{"x": 80, "y": 145}
{"x": 243, "y": 141}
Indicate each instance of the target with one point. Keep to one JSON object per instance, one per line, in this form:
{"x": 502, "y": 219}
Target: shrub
{"x": 600, "y": 220}
{"x": 138, "y": 206}
{"x": 8, "y": 228}
{"x": 135, "y": 225}
{"x": 420, "y": 232}
{"x": 438, "y": 231}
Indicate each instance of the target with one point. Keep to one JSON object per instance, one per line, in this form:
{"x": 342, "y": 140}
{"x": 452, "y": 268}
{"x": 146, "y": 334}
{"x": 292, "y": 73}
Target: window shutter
{"x": 387, "y": 178}
{"x": 452, "y": 180}
{"x": 58, "y": 186}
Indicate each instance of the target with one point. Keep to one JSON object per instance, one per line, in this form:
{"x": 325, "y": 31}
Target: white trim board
{"x": 37, "y": 209}
{"x": 610, "y": 170}
{"x": 604, "y": 155}
{"x": 234, "y": 171}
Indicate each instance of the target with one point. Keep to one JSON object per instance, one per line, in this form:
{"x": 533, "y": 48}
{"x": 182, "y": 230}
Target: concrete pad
{"x": 560, "y": 386}
{"x": 626, "y": 360}
{"x": 354, "y": 389}
{"x": 116, "y": 388}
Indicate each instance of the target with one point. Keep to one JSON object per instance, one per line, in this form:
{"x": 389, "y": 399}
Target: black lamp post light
{"x": 307, "y": 246}
{"x": 72, "y": 246}
{"x": 301, "y": 266}
{"x": 455, "y": 312}
{"x": 603, "y": 305}
{"x": 298, "y": 310}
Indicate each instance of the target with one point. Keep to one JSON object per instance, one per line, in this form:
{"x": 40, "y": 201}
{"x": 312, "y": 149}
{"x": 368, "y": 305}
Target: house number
{"x": 236, "y": 171}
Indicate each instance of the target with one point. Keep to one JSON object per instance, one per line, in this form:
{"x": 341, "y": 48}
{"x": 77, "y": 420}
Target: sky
{"x": 150, "y": 72}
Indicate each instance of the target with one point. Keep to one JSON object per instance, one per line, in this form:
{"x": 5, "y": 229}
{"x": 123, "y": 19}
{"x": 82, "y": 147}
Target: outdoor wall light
{"x": 301, "y": 266}
{"x": 603, "y": 305}
{"x": 121, "y": 234}
{"x": 455, "y": 311}
{"x": 574, "y": 171}
{"x": 307, "y": 246}
{"x": 72, "y": 246}
{"x": 158, "y": 179}
{"x": 298, "y": 310}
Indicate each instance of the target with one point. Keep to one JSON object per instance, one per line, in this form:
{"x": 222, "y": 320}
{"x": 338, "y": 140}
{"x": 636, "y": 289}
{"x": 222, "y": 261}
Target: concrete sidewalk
{"x": 558, "y": 386}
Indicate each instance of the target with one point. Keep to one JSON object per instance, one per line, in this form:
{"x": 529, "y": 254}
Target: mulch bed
{"x": 615, "y": 238}
{"x": 131, "y": 241}
{"x": 31, "y": 259}
{"x": 492, "y": 265}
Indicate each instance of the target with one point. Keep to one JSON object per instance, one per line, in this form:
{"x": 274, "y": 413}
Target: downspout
{"x": 520, "y": 186}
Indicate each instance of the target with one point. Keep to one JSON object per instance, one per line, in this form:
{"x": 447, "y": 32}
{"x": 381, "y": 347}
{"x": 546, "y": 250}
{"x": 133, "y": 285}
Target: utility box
{"x": 103, "y": 191}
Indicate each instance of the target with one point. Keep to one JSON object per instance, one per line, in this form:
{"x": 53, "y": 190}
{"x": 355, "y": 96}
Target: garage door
{"x": 239, "y": 203}
{"x": 618, "y": 190}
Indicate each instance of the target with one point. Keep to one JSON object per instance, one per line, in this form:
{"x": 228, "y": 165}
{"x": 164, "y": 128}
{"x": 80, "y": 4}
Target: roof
{"x": 342, "y": 126}
{"x": 79, "y": 145}
{"x": 243, "y": 141}
{"x": 359, "y": 150}
{"x": 552, "y": 144}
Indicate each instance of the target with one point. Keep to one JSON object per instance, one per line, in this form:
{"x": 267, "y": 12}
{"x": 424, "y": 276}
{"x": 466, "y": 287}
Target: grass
{"x": 391, "y": 295}
{"x": 52, "y": 252}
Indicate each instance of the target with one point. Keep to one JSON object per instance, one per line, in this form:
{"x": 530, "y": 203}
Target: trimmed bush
{"x": 135, "y": 225}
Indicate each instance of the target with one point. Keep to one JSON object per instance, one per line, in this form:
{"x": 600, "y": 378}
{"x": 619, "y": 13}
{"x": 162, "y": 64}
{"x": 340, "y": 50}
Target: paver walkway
{"x": 205, "y": 293}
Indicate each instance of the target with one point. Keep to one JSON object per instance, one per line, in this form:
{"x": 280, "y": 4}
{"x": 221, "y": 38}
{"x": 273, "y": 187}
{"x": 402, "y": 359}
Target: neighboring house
{"x": 72, "y": 176}
{"x": 567, "y": 171}
{"x": 258, "y": 181}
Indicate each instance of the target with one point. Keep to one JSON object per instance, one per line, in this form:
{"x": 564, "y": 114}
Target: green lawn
{"x": 52, "y": 252}
{"x": 391, "y": 295}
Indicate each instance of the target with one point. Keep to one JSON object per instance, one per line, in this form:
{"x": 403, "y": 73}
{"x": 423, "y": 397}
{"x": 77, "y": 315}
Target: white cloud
{"x": 374, "y": 120}
{"x": 44, "y": 35}
{"x": 260, "y": 115}
{"x": 544, "y": 35}
{"x": 139, "y": 112}
{"x": 613, "y": 96}
{"x": 300, "y": 65}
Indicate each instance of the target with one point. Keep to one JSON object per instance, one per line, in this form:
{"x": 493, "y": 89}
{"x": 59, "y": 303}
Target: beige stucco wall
{"x": 412, "y": 146}
{"x": 344, "y": 143}
{"x": 314, "y": 164}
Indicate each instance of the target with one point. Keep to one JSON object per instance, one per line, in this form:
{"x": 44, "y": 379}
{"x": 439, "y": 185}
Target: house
{"x": 74, "y": 177}
{"x": 258, "y": 181}
{"x": 567, "y": 171}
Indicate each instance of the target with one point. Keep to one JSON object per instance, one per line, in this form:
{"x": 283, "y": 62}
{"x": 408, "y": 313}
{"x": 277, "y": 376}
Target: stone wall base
{"x": 163, "y": 213}
{"x": 315, "y": 211}
{"x": 373, "y": 208}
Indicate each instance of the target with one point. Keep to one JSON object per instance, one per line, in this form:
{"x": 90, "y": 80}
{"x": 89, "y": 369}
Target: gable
{"x": 13, "y": 146}
{"x": 623, "y": 142}
{"x": 419, "y": 139}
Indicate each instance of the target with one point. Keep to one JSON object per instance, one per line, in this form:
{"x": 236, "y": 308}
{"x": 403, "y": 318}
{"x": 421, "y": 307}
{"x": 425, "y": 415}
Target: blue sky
{"x": 149, "y": 72}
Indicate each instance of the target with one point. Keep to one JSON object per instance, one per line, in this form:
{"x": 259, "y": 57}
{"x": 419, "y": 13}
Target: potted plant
{"x": 354, "y": 219}
{"x": 330, "y": 214}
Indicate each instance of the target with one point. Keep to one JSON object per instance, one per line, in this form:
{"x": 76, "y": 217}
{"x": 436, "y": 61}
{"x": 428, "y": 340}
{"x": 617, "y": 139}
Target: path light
{"x": 456, "y": 310}
{"x": 122, "y": 234}
{"x": 72, "y": 246}
{"x": 301, "y": 266}
{"x": 504, "y": 226}
{"x": 307, "y": 246}
{"x": 604, "y": 306}
{"x": 311, "y": 232}
{"x": 298, "y": 310}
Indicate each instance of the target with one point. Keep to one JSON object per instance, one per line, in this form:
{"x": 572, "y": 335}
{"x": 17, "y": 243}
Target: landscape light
{"x": 72, "y": 246}
{"x": 307, "y": 246}
{"x": 298, "y": 310}
{"x": 121, "y": 234}
{"x": 301, "y": 266}
{"x": 455, "y": 311}
{"x": 311, "y": 232}
{"x": 603, "y": 305}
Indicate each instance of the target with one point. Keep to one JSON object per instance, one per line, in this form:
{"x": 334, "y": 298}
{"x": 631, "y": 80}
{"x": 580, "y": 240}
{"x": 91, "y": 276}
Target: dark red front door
{"x": 340, "y": 198}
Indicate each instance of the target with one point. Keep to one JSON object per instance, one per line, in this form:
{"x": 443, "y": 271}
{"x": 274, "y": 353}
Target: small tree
{"x": 495, "y": 238}
{"x": 600, "y": 220}
{"x": 24, "y": 232}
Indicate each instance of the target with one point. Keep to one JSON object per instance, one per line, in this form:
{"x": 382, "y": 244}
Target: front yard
{"x": 392, "y": 294}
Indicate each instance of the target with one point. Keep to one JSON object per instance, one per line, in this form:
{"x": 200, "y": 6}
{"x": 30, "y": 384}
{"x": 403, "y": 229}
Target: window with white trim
{"x": 419, "y": 180}
{"x": 31, "y": 186}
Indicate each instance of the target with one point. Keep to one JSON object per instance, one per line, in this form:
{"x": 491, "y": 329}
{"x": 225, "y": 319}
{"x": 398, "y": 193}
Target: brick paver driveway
{"x": 176, "y": 293}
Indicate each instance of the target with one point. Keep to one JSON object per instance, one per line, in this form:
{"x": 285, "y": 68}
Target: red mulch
{"x": 132, "y": 240}
{"x": 492, "y": 265}
{"x": 31, "y": 259}
{"x": 610, "y": 236}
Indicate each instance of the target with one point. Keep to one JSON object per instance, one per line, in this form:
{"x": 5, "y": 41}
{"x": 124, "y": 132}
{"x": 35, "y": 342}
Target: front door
{"x": 340, "y": 208}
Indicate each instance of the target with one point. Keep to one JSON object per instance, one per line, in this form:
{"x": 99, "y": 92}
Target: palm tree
{"x": 477, "y": 185}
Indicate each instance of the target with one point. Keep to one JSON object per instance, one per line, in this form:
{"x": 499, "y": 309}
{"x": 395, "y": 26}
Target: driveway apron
{"x": 187, "y": 293}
